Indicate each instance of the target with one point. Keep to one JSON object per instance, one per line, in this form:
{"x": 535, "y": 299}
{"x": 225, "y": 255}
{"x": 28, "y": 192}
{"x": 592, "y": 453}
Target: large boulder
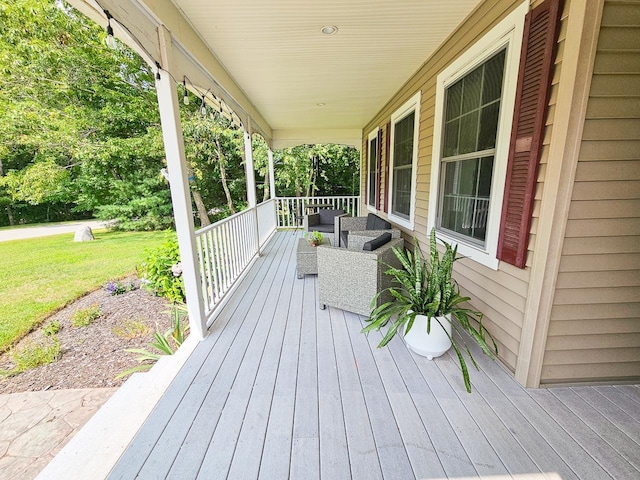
{"x": 83, "y": 234}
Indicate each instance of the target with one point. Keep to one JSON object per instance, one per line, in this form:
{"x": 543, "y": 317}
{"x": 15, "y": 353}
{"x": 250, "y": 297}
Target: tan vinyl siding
{"x": 594, "y": 333}
{"x": 501, "y": 294}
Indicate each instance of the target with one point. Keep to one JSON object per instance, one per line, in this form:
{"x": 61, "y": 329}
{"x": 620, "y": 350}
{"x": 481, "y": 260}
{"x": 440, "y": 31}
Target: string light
{"x": 111, "y": 40}
{"x": 112, "y": 43}
{"x": 185, "y": 98}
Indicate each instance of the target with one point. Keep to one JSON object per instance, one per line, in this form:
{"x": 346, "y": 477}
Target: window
{"x": 472, "y": 107}
{"x": 474, "y": 111}
{"x": 404, "y": 156}
{"x": 372, "y": 170}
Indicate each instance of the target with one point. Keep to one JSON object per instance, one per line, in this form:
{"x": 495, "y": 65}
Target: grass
{"x": 41, "y": 275}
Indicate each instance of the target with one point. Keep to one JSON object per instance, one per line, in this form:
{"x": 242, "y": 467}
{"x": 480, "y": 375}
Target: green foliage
{"x": 163, "y": 344}
{"x": 157, "y": 273}
{"x": 86, "y": 316}
{"x": 314, "y": 238}
{"x": 51, "y": 329}
{"x": 308, "y": 170}
{"x": 34, "y": 353}
{"x": 118, "y": 288}
{"x": 131, "y": 329}
{"x": 427, "y": 288}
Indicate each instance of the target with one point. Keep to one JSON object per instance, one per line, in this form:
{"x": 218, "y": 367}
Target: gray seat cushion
{"x": 323, "y": 227}
{"x": 377, "y": 242}
{"x": 374, "y": 222}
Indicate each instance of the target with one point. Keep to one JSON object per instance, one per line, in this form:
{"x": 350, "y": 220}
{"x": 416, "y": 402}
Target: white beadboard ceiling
{"x": 275, "y": 52}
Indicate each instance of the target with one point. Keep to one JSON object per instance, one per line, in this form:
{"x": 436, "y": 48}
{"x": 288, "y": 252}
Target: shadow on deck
{"x": 281, "y": 389}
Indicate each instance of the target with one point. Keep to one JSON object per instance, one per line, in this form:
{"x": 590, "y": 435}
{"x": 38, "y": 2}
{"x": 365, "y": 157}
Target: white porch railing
{"x": 290, "y": 210}
{"x": 226, "y": 248}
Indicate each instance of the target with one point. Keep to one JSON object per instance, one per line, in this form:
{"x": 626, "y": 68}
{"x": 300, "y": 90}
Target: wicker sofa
{"x": 349, "y": 279}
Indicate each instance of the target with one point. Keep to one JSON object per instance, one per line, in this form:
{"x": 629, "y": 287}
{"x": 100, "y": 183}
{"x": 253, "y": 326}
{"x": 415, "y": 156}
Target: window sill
{"x": 403, "y": 222}
{"x": 472, "y": 252}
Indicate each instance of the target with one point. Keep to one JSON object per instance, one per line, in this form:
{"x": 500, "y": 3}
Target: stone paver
{"x": 36, "y": 425}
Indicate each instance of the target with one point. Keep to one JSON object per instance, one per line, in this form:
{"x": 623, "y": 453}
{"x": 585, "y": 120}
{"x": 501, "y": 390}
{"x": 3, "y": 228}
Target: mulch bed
{"x": 92, "y": 356}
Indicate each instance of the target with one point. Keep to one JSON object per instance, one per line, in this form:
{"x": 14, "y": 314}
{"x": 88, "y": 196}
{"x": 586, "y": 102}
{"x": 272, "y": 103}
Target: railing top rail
{"x": 223, "y": 221}
{"x": 318, "y": 197}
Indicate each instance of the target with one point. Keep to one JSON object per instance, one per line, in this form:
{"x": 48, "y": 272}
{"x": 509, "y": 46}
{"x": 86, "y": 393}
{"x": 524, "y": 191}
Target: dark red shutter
{"x": 365, "y": 155}
{"x": 541, "y": 30}
{"x": 387, "y": 161}
{"x": 378, "y": 168}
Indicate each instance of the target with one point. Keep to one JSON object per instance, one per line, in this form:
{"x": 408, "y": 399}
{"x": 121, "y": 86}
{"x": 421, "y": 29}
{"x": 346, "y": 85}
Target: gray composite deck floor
{"x": 281, "y": 389}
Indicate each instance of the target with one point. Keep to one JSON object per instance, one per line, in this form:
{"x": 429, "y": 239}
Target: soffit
{"x": 276, "y": 54}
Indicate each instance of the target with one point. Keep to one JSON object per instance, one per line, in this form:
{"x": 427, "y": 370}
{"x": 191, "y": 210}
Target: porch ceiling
{"x": 299, "y": 78}
{"x": 269, "y": 60}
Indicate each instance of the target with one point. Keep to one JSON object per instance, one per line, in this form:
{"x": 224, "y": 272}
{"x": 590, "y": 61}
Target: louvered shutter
{"x": 541, "y": 30}
{"x": 365, "y": 155}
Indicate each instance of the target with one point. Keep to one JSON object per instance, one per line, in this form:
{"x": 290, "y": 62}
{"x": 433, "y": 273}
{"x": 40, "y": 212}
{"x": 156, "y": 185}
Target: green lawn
{"x": 41, "y": 275}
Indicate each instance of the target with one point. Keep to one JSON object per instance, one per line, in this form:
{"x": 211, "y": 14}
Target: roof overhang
{"x": 273, "y": 67}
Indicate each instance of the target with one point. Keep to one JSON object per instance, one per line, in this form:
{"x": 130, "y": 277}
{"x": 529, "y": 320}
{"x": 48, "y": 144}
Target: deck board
{"x": 281, "y": 389}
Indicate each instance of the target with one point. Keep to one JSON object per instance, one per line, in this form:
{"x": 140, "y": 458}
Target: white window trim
{"x": 507, "y": 33}
{"x": 372, "y": 135}
{"x": 411, "y": 105}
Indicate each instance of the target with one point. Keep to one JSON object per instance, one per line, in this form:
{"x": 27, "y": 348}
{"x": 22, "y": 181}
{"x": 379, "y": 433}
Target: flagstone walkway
{"x": 34, "y": 426}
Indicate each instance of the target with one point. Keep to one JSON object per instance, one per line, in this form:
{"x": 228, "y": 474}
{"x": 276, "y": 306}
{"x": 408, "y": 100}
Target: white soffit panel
{"x": 299, "y": 78}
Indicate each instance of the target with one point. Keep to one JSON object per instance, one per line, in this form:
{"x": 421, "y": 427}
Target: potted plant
{"x": 427, "y": 307}
{"x": 314, "y": 238}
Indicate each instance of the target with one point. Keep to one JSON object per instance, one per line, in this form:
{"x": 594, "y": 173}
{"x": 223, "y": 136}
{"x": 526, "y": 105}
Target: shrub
{"x": 35, "y": 353}
{"x": 86, "y": 316}
{"x": 161, "y": 271}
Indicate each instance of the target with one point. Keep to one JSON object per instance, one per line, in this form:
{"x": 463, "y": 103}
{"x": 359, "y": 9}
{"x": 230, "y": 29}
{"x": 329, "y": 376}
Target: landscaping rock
{"x": 83, "y": 234}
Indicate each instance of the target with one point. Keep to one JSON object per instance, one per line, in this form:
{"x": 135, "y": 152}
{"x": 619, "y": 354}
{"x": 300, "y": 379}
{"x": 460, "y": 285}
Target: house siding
{"x": 499, "y": 294}
{"x": 594, "y": 331}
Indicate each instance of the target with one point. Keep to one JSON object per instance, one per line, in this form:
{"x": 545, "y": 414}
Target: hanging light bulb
{"x": 185, "y": 97}
{"x": 203, "y": 107}
{"x": 111, "y": 40}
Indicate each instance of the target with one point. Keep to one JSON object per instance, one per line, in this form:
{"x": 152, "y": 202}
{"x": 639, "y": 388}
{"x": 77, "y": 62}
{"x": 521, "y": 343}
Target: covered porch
{"x": 282, "y": 389}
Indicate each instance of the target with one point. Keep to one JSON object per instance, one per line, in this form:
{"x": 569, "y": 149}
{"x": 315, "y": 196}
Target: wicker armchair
{"x": 325, "y": 221}
{"x": 349, "y": 279}
{"x": 369, "y": 226}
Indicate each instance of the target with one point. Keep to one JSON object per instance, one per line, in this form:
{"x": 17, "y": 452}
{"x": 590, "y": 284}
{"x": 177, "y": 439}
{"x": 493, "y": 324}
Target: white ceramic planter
{"x": 432, "y": 344}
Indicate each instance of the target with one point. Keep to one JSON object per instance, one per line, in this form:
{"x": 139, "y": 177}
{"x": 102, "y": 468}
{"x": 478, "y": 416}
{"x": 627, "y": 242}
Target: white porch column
{"x": 272, "y": 178}
{"x": 178, "y": 182}
{"x": 249, "y": 170}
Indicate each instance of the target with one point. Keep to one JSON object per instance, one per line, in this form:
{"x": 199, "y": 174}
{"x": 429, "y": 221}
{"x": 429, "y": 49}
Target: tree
{"x": 311, "y": 170}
